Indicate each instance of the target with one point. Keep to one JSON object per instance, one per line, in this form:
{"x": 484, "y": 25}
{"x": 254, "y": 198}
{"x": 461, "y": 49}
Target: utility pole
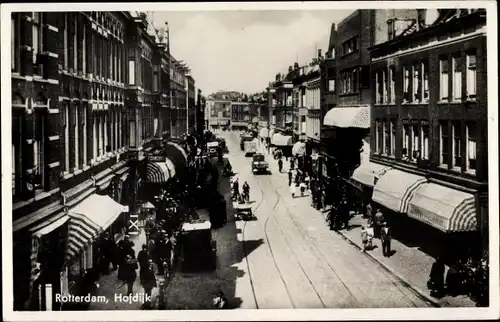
{"x": 169, "y": 78}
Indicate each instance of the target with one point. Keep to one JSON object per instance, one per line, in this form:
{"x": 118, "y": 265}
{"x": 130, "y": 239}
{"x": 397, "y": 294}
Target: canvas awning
{"x": 395, "y": 188}
{"x": 357, "y": 117}
{"x": 176, "y": 154}
{"x": 264, "y": 133}
{"x": 89, "y": 218}
{"x": 157, "y": 172}
{"x": 281, "y": 140}
{"x": 299, "y": 148}
{"x": 443, "y": 208}
{"x": 367, "y": 172}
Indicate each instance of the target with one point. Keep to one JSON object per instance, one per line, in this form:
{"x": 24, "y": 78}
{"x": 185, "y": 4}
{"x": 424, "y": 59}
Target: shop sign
{"x": 156, "y": 156}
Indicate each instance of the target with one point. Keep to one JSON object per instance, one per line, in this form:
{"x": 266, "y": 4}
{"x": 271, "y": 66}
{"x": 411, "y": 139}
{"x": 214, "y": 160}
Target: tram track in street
{"x": 313, "y": 243}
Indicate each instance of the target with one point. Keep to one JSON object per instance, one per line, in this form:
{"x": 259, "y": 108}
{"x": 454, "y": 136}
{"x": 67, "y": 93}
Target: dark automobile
{"x": 259, "y": 163}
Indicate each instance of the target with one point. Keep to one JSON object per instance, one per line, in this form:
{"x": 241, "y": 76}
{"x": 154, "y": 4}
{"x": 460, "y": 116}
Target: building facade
{"x": 191, "y": 104}
{"x": 89, "y": 96}
{"x": 281, "y": 105}
{"x": 218, "y": 113}
{"x": 429, "y": 125}
{"x": 240, "y": 115}
{"x": 179, "y": 97}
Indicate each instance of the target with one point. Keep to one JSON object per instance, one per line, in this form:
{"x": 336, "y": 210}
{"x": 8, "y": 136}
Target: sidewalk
{"x": 109, "y": 285}
{"x": 408, "y": 264}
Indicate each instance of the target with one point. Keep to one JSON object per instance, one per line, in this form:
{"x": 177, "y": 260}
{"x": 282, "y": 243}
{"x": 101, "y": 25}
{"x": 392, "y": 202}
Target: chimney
{"x": 290, "y": 69}
{"x": 319, "y": 53}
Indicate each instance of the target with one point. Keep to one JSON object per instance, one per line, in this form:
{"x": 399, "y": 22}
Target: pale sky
{"x": 244, "y": 50}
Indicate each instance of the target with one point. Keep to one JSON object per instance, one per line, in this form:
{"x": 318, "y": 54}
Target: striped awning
{"x": 299, "y": 148}
{"x": 358, "y": 117}
{"x": 395, "y": 188}
{"x": 281, "y": 140}
{"x": 89, "y": 218}
{"x": 177, "y": 155}
{"x": 170, "y": 167}
{"x": 264, "y": 133}
{"x": 367, "y": 172}
{"x": 443, "y": 208}
{"x": 37, "y": 233}
{"x": 157, "y": 172}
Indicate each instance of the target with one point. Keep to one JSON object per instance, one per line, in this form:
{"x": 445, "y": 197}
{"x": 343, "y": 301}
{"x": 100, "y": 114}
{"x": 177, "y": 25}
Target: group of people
{"x": 376, "y": 227}
{"x": 241, "y": 197}
{"x": 298, "y": 181}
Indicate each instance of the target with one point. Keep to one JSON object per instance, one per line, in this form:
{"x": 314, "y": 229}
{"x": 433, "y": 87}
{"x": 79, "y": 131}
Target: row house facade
{"x": 429, "y": 126}
{"x": 178, "y": 97}
{"x": 89, "y": 96}
{"x": 240, "y": 115}
{"x": 281, "y": 103}
{"x": 191, "y": 103}
{"x": 218, "y": 113}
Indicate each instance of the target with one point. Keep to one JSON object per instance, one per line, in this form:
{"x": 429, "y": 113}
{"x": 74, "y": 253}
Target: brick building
{"x": 89, "y": 96}
{"x": 191, "y": 103}
{"x": 429, "y": 127}
{"x": 179, "y": 100}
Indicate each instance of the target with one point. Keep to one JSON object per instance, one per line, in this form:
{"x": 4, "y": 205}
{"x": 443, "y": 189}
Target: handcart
{"x": 243, "y": 211}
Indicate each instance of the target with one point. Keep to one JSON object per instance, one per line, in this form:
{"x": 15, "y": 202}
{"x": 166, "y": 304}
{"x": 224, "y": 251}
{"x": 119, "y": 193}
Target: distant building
{"x": 240, "y": 115}
{"x": 218, "y": 113}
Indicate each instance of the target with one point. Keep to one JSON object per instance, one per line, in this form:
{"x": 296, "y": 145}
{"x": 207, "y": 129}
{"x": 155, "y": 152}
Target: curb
{"x": 423, "y": 295}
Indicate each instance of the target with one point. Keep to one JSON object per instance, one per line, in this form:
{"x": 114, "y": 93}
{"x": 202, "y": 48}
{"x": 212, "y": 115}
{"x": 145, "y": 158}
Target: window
{"x": 13, "y": 41}
{"x": 384, "y": 86}
{"x": 387, "y": 137}
{"x": 155, "y": 82}
{"x": 131, "y": 72}
{"x": 405, "y": 152}
{"x": 471, "y": 147}
{"x": 66, "y": 138}
{"x": 456, "y": 144}
{"x": 392, "y": 84}
{"x": 415, "y": 145}
{"x": 425, "y": 87}
{"x": 37, "y": 42}
{"x": 444, "y": 143}
{"x": 38, "y": 151}
{"x": 354, "y": 87}
{"x": 381, "y": 92}
{"x": 350, "y": 45}
{"x": 377, "y": 88}
{"x": 95, "y": 135}
{"x": 76, "y": 136}
{"x": 393, "y": 138}
{"x": 65, "y": 42}
{"x": 75, "y": 45}
{"x": 332, "y": 54}
{"x": 331, "y": 85}
{"x": 378, "y": 131}
{"x": 84, "y": 51}
{"x": 424, "y": 142}
{"x": 457, "y": 78}
{"x": 471, "y": 76}
{"x": 417, "y": 83}
{"x": 390, "y": 29}
{"x": 406, "y": 85}
{"x": 84, "y": 132}
{"x": 443, "y": 80}
{"x": 14, "y": 162}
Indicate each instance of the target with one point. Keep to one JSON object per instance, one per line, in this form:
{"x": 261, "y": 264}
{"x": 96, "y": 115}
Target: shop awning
{"x": 46, "y": 228}
{"x": 281, "y": 140}
{"x": 443, "y": 208}
{"x": 157, "y": 172}
{"x": 358, "y": 117}
{"x": 299, "y": 148}
{"x": 395, "y": 188}
{"x": 176, "y": 154}
{"x": 264, "y": 133}
{"x": 89, "y": 218}
{"x": 170, "y": 167}
{"x": 367, "y": 172}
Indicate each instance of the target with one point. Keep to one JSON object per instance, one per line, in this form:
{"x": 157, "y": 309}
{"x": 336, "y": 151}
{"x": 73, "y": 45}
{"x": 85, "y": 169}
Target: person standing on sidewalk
{"x": 143, "y": 258}
{"x": 385, "y": 236}
{"x": 148, "y": 280}
{"x": 290, "y": 175}
{"x": 436, "y": 278}
{"x": 368, "y": 211}
{"x": 377, "y": 221}
{"x": 280, "y": 165}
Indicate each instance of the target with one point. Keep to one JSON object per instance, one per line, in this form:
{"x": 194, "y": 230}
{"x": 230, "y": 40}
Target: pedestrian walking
{"x": 143, "y": 257}
{"x": 368, "y": 211}
{"x": 364, "y": 238}
{"x": 280, "y": 165}
{"x": 377, "y": 221}
{"x": 129, "y": 273}
{"x": 290, "y": 175}
{"x": 436, "y": 278}
{"x": 148, "y": 281}
{"x": 292, "y": 163}
{"x": 385, "y": 236}
{"x": 293, "y": 190}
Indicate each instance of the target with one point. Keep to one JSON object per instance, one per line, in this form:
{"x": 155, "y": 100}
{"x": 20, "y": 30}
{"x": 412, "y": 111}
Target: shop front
{"x": 88, "y": 220}
{"x": 363, "y": 179}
